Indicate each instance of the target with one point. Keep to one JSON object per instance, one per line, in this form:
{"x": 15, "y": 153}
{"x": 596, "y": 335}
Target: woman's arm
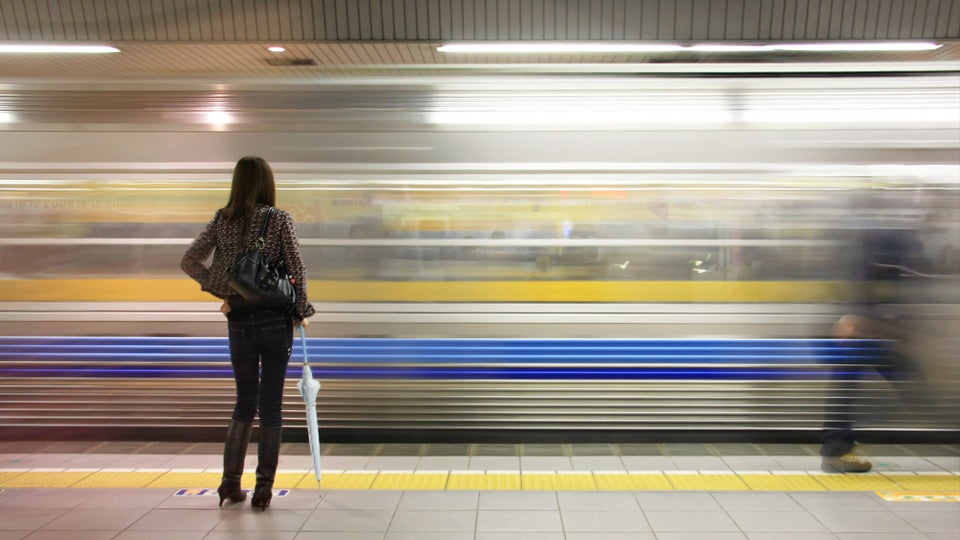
{"x": 192, "y": 262}
{"x": 294, "y": 263}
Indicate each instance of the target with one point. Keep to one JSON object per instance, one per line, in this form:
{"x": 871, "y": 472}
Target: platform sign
{"x": 207, "y": 492}
{"x": 916, "y": 496}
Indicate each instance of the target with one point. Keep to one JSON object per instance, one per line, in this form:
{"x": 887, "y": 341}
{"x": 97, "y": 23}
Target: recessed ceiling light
{"x": 841, "y": 46}
{"x": 276, "y": 49}
{"x": 555, "y": 47}
{"x": 720, "y": 47}
{"x": 218, "y": 117}
{"x": 69, "y": 49}
{"x": 626, "y": 47}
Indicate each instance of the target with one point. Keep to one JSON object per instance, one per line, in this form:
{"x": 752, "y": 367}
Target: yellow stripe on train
{"x": 185, "y": 290}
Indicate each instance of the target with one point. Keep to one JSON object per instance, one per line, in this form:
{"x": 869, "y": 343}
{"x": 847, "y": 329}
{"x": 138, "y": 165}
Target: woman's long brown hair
{"x": 252, "y": 184}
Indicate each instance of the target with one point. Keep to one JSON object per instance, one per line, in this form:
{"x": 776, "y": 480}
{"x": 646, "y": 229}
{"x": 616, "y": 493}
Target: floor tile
{"x": 439, "y": 500}
{"x": 597, "y": 463}
{"x": 603, "y": 521}
{"x": 392, "y": 463}
{"x": 837, "y": 501}
{"x": 641, "y": 449}
{"x": 687, "y": 449}
{"x": 545, "y": 463}
{"x": 433, "y": 521}
{"x": 789, "y": 536}
{"x": 686, "y": 521}
{"x": 338, "y": 535}
{"x": 420, "y": 535}
{"x": 940, "y": 536}
{"x": 47, "y": 498}
{"x": 700, "y": 536}
{"x": 125, "y": 498}
{"x": 177, "y": 520}
{"x": 596, "y": 449}
{"x": 648, "y": 463}
{"x": 343, "y": 463}
{"x": 188, "y": 461}
{"x": 495, "y": 463}
{"x": 798, "y": 463}
{"x": 754, "y": 501}
{"x": 97, "y": 518}
{"x": 44, "y": 534}
{"x": 518, "y": 500}
{"x": 92, "y": 513}
{"x": 948, "y": 463}
{"x": 443, "y": 463}
{"x": 941, "y": 522}
{"x": 165, "y": 535}
{"x": 857, "y": 521}
{"x": 272, "y": 519}
{"x": 773, "y": 521}
{"x": 904, "y": 463}
{"x": 885, "y": 536}
{"x": 348, "y": 520}
{"x": 677, "y": 501}
{"x": 28, "y": 518}
{"x": 751, "y": 463}
{"x": 700, "y": 463}
{"x": 612, "y": 536}
{"x": 518, "y": 521}
{"x": 597, "y": 500}
{"x": 359, "y": 500}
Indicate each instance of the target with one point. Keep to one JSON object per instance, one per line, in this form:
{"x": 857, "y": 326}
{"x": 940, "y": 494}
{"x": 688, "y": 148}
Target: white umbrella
{"x": 309, "y": 388}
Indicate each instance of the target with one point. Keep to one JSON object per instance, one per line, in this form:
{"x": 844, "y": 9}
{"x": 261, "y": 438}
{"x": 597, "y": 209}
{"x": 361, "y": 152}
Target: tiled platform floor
{"x": 832, "y": 507}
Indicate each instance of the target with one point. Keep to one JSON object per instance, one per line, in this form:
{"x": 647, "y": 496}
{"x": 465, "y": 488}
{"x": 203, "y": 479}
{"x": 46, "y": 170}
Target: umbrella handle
{"x": 303, "y": 343}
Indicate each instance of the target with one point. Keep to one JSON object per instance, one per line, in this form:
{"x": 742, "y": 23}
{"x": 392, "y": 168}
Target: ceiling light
{"x": 842, "y": 46}
{"x": 626, "y": 47}
{"x": 70, "y": 49}
{"x": 218, "y": 118}
{"x": 276, "y": 49}
{"x": 554, "y": 47}
{"x": 716, "y": 47}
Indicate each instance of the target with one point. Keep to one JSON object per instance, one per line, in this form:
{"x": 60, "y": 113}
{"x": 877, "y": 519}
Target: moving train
{"x": 477, "y": 275}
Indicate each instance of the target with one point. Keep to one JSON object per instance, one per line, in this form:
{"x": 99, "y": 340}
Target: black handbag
{"x": 259, "y": 281}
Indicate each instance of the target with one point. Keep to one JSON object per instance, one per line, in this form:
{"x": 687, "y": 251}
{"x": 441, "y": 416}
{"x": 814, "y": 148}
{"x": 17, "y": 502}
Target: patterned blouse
{"x": 223, "y": 238}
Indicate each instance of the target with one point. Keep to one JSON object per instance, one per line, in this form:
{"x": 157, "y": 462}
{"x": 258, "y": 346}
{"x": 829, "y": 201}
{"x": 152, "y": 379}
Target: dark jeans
{"x": 260, "y": 344}
{"x": 900, "y": 370}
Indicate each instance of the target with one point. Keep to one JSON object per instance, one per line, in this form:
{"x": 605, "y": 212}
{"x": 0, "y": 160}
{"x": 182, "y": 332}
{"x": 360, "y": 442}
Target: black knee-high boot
{"x": 234, "y": 452}
{"x": 268, "y": 454}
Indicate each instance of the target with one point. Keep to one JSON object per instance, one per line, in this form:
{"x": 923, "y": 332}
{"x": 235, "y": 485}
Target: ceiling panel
{"x": 226, "y": 39}
{"x": 459, "y": 20}
{"x": 223, "y": 61}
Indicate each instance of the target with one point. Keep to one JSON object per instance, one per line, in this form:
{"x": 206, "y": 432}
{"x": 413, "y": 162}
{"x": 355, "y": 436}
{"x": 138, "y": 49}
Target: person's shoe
{"x": 234, "y": 452}
{"x": 268, "y": 453}
{"x": 847, "y": 463}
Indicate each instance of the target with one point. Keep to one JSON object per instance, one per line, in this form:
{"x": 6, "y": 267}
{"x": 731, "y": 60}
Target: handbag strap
{"x": 263, "y": 229}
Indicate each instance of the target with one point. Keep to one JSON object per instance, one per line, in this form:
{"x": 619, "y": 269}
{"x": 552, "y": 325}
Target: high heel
{"x": 268, "y": 453}
{"x": 232, "y": 492}
{"x": 234, "y": 452}
{"x": 261, "y": 497}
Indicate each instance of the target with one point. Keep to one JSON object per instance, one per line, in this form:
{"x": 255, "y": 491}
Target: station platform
{"x": 145, "y": 490}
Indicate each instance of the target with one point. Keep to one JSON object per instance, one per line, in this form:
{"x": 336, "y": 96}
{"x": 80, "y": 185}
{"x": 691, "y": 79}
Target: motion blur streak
{"x": 602, "y": 222}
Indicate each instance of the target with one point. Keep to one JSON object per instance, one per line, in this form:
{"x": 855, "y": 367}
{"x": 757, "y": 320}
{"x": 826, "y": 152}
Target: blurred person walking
{"x": 261, "y": 339}
{"x": 882, "y": 259}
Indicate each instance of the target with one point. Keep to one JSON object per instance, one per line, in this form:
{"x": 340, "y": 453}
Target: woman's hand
{"x": 304, "y": 322}
{"x": 225, "y": 308}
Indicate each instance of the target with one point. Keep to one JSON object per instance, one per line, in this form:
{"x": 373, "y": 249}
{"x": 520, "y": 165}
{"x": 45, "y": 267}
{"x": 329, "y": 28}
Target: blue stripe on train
{"x": 714, "y": 359}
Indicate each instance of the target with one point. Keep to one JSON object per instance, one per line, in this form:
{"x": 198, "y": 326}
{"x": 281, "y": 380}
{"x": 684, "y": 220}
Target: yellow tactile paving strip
{"x": 943, "y": 484}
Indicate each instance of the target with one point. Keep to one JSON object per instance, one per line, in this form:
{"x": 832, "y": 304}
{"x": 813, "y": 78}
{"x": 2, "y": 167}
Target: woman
{"x": 260, "y": 338}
